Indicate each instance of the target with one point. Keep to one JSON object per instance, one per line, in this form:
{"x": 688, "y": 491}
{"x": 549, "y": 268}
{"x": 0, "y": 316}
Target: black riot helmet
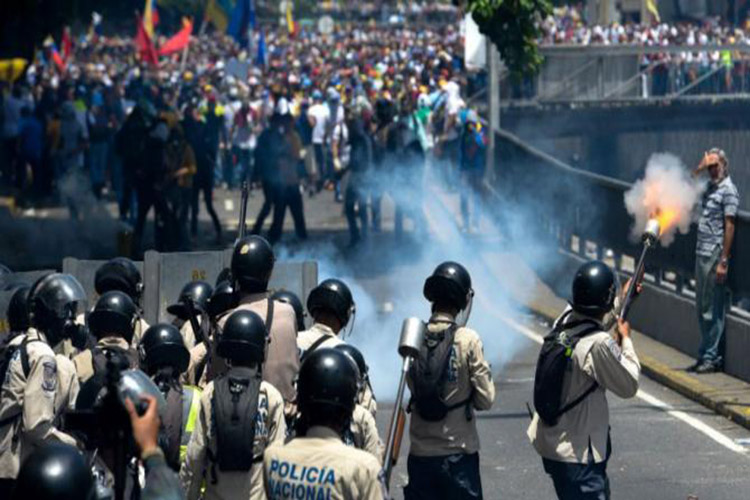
{"x": 120, "y": 274}
{"x": 18, "y": 309}
{"x": 162, "y": 345}
{"x": 450, "y": 282}
{"x": 356, "y": 356}
{"x": 243, "y": 338}
{"x": 224, "y": 275}
{"x": 333, "y": 295}
{"x": 327, "y": 380}
{"x": 196, "y": 291}
{"x": 594, "y": 289}
{"x": 55, "y": 471}
{"x": 252, "y": 264}
{"x": 223, "y": 299}
{"x": 54, "y": 302}
{"x": 291, "y": 298}
{"x": 114, "y": 314}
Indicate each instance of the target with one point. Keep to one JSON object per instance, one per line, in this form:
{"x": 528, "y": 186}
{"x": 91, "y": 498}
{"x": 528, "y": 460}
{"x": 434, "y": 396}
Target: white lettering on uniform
{"x": 305, "y": 483}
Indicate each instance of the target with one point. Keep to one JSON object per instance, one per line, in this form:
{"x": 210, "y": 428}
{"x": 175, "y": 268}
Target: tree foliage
{"x": 514, "y": 27}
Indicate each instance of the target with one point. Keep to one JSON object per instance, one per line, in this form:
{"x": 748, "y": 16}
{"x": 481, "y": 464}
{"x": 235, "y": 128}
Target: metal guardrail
{"x": 584, "y": 213}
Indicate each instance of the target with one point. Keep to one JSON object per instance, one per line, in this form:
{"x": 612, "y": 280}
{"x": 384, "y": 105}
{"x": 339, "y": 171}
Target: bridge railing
{"x": 631, "y": 72}
{"x": 584, "y": 214}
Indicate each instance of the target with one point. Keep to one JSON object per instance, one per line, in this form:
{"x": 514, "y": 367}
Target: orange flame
{"x": 667, "y": 218}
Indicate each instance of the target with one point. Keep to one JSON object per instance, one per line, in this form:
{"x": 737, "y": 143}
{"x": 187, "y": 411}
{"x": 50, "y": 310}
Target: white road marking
{"x": 648, "y": 398}
{"x": 229, "y": 205}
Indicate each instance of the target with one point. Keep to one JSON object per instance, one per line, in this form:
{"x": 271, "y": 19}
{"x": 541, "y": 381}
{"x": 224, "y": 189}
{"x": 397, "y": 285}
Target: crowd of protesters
{"x": 704, "y": 72}
{"x": 354, "y": 112}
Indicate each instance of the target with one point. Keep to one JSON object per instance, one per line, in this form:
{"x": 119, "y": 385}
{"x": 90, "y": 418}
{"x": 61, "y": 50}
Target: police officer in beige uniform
{"x": 316, "y": 463}
{"x": 121, "y": 274}
{"x": 37, "y": 386}
{"x": 575, "y": 444}
{"x": 443, "y": 457}
{"x": 198, "y": 293}
{"x": 240, "y": 417}
{"x": 331, "y": 306}
{"x": 252, "y": 265}
{"x": 112, "y": 322}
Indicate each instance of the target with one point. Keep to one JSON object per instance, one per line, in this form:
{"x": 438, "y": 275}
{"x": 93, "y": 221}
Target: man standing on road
{"x": 579, "y": 362}
{"x": 449, "y": 381}
{"x": 713, "y": 249}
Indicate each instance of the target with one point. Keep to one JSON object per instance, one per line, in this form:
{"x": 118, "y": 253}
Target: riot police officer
{"x": 252, "y": 264}
{"x": 205, "y": 365}
{"x": 198, "y": 293}
{"x": 112, "y": 322}
{"x": 363, "y": 431}
{"x": 164, "y": 358}
{"x": 293, "y": 300}
{"x": 443, "y": 457}
{"x": 331, "y": 306}
{"x": 38, "y": 386}
{"x": 365, "y": 395}
{"x": 56, "y": 471}
{"x": 122, "y": 274}
{"x": 240, "y": 416}
{"x": 573, "y": 440}
{"x": 324, "y": 467}
{"x": 17, "y": 316}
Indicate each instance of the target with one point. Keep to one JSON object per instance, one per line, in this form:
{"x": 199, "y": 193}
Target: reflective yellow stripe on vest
{"x": 191, "y": 405}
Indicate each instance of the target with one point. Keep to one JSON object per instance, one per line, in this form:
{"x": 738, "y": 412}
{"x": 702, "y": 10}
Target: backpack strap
{"x": 594, "y": 386}
{"x": 314, "y": 346}
{"x": 269, "y": 315}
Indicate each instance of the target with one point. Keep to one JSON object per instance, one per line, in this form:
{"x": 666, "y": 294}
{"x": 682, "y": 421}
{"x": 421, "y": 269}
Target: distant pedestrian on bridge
{"x": 713, "y": 249}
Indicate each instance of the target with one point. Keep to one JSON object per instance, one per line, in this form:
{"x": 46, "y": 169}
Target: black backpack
{"x": 553, "y": 362}
{"x": 428, "y": 374}
{"x": 235, "y": 407}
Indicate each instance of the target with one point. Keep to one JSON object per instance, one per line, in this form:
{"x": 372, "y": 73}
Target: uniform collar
{"x": 441, "y": 317}
{"x": 109, "y": 342}
{"x": 34, "y": 334}
{"x": 253, "y": 297}
{"x": 577, "y": 316}
{"x": 319, "y": 431}
{"x": 324, "y": 329}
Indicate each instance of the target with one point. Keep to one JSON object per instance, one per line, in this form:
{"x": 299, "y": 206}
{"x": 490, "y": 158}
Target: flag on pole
{"x": 260, "y": 59}
{"x": 239, "y": 23}
{"x": 653, "y": 9}
{"x": 217, "y": 13}
{"x": 154, "y": 13}
{"x": 148, "y": 19}
{"x": 143, "y": 43}
{"x": 179, "y": 41}
{"x": 291, "y": 26}
{"x": 67, "y": 43}
{"x": 49, "y": 43}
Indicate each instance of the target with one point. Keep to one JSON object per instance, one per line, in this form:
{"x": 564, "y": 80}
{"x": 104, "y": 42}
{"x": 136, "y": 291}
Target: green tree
{"x": 514, "y": 27}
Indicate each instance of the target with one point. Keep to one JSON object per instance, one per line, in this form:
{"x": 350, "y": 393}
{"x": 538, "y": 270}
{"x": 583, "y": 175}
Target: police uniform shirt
{"x": 320, "y": 466}
{"x": 188, "y": 335}
{"x": 596, "y": 358}
{"x": 270, "y": 427}
{"x": 198, "y": 359}
{"x": 307, "y": 338}
{"x": 366, "y": 399}
{"x": 469, "y": 375}
{"x": 141, "y": 325}
{"x": 84, "y": 362}
{"x": 364, "y": 433}
{"x": 36, "y": 401}
{"x": 282, "y": 358}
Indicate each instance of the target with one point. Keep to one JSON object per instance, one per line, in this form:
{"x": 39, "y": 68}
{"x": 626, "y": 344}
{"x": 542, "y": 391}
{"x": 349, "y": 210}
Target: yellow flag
{"x": 651, "y": 6}
{"x": 148, "y": 19}
{"x": 216, "y": 15}
{"x": 289, "y": 19}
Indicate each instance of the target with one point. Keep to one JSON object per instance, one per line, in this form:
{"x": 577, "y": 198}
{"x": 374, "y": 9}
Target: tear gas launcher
{"x": 650, "y": 237}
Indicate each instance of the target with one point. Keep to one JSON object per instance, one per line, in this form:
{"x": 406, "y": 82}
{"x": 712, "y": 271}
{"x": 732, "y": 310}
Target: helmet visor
{"x": 62, "y": 293}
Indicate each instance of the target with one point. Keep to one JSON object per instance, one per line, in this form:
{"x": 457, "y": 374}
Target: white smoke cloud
{"x": 668, "y": 192}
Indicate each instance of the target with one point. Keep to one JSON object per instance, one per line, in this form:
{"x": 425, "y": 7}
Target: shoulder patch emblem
{"x": 49, "y": 379}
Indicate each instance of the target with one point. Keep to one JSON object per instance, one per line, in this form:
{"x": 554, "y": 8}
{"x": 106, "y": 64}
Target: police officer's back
{"x": 240, "y": 416}
{"x": 252, "y": 265}
{"x": 37, "y": 386}
{"x": 573, "y": 440}
{"x": 317, "y": 462}
{"x": 164, "y": 358}
{"x": 112, "y": 322}
{"x": 121, "y": 274}
{"x": 443, "y": 457}
{"x": 331, "y": 306}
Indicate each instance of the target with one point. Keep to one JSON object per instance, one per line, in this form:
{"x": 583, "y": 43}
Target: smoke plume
{"x": 668, "y": 193}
